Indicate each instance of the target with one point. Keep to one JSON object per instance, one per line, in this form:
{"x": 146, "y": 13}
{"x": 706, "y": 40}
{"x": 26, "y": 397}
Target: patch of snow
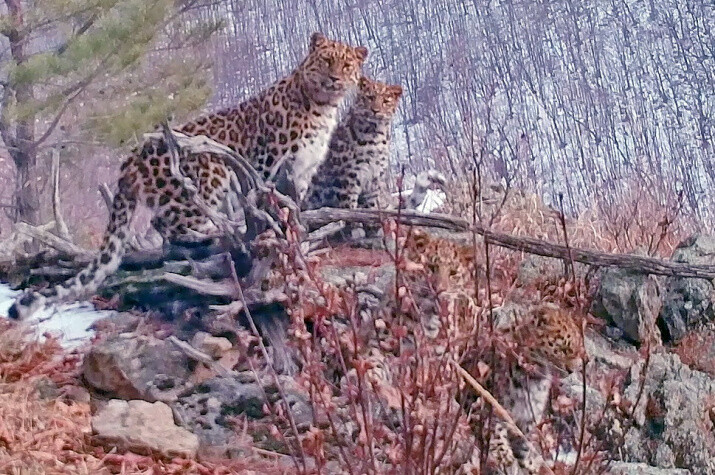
{"x": 433, "y": 199}
{"x": 68, "y": 322}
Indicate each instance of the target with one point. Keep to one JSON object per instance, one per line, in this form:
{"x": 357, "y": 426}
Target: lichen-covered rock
{"x": 132, "y": 366}
{"x": 688, "y": 302}
{"x": 210, "y": 407}
{"x": 144, "y": 428}
{"x": 629, "y": 300}
{"x": 673, "y": 427}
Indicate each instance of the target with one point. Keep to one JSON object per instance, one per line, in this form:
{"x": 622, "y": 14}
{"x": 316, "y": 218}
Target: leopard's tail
{"x": 88, "y": 280}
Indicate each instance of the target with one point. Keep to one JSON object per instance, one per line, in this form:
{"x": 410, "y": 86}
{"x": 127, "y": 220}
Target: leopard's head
{"x": 377, "y": 99}
{"x": 331, "y": 69}
{"x": 553, "y": 337}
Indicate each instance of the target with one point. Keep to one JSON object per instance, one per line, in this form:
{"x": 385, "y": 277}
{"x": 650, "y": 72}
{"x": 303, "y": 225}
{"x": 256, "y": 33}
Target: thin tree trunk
{"x": 22, "y": 145}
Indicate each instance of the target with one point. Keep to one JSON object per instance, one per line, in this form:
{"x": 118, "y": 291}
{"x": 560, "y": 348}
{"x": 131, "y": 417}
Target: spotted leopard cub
{"x": 547, "y": 343}
{"x": 289, "y": 123}
{"x": 354, "y": 169}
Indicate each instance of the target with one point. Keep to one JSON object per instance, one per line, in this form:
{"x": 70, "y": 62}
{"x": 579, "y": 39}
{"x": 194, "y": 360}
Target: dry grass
{"x": 697, "y": 349}
{"x": 51, "y": 435}
{"x": 38, "y": 435}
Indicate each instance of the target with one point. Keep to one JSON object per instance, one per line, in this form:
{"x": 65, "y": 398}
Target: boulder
{"x": 688, "y": 302}
{"x": 209, "y": 408}
{"x": 131, "y": 366}
{"x": 630, "y": 301}
{"x": 144, "y": 428}
{"x": 673, "y": 427}
{"x": 214, "y": 346}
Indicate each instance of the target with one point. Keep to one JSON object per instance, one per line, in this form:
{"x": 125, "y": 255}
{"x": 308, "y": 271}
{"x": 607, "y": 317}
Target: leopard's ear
{"x": 317, "y": 40}
{"x": 395, "y": 91}
{"x": 361, "y": 52}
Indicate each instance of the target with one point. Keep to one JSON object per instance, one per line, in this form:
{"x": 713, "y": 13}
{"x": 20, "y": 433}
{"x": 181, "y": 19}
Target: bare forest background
{"x": 609, "y": 102}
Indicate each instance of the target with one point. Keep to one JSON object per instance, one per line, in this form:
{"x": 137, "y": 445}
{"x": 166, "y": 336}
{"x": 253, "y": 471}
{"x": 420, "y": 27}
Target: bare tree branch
{"x": 646, "y": 265}
{"x": 61, "y": 226}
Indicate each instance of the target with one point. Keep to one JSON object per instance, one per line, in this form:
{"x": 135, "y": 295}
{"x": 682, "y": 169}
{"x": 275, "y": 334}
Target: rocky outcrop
{"x": 674, "y": 427}
{"x": 629, "y": 301}
{"x": 622, "y": 468}
{"x": 144, "y": 428}
{"x": 133, "y": 366}
{"x": 209, "y": 409}
{"x": 688, "y": 302}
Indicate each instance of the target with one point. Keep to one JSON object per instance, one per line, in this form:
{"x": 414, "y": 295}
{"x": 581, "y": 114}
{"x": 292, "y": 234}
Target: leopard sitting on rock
{"x": 290, "y": 122}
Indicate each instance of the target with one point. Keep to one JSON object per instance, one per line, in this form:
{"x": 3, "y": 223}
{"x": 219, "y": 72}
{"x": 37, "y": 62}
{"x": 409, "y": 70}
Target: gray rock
{"x": 688, "y": 302}
{"x": 623, "y": 468}
{"x": 533, "y": 269}
{"x": 672, "y": 427}
{"x": 214, "y": 346}
{"x": 631, "y": 301}
{"x": 601, "y": 351}
{"x": 132, "y": 366}
{"x": 209, "y": 408}
{"x": 381, "y": 276}
{"x": 142, "y": 427}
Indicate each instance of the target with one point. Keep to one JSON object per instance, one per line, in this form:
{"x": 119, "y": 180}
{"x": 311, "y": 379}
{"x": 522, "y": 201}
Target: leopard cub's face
{"x": 331, "y": 68}
{"x": 377, "y": 98}
{"x": 553, "y": 337}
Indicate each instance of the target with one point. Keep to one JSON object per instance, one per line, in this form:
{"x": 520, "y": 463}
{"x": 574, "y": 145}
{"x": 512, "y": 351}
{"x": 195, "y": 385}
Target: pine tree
{"x": 109, "y": 56}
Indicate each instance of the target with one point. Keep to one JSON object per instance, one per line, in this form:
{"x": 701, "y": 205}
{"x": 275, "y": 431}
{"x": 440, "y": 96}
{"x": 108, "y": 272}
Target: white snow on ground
{"x": 69, "y": 322}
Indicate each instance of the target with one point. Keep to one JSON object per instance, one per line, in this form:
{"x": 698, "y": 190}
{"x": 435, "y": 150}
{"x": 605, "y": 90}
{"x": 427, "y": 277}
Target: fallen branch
{"x": 219, "y": 289}
{"x": 51, "y": 240}
{"x": 13, "y": 245}
{"x": 107, "y": 196}
{"x": 645, "y": 265}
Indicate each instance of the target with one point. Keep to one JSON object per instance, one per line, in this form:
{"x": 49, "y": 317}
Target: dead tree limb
{"x": 107, "y": 195}
{"x": 51, "y": 240}
{"x": 201, "y": 357}
{"x": 60, "y": 224}
{"x": 645, "y": 265}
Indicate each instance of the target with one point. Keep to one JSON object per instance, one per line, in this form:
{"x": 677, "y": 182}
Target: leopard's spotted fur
{"x": 544, "y": 340}
{"x": 291, "y": 121}
{"x": 353, "y": 172}
{"x": 548, "y": 341}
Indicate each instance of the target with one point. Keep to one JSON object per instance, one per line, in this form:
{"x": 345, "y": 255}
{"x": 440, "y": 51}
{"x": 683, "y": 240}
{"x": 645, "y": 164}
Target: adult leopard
{"x": 289, "y": 122}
